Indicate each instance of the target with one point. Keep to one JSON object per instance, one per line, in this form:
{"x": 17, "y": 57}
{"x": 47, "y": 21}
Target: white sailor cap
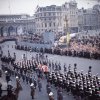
{"x": 70, "y": 78}
{"x": 89, "y": 88}
{"x": 32, "y": 84}
{"x": 50, "y": 94}
{"x": 60, "y": 77}
{"x": 98, "y": 78}
{"x": 93, "y": 86}
{"x": 88, "y": 82}
{"x": 81, "y": 70}
{"x": 85, "y": 83}
{"x": 81, "y": 88}
{"x": 16, "y": 77}
{"x": 5, "y": 71}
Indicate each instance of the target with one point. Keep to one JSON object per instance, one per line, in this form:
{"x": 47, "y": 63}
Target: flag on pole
{"x": 68, "y": 38}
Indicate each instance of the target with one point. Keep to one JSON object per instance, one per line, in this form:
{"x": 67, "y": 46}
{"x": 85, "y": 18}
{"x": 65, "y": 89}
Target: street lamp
{"x": 30, "y": 53}
{"x": 26, "y": 37}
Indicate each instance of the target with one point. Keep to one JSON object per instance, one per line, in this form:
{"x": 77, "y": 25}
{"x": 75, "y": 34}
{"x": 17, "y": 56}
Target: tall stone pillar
{"x": 1, "y": 31}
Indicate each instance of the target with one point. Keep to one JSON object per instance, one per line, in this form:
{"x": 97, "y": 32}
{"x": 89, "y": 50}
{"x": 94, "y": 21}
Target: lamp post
{"x": 9, "y": 7}
{"x": 66, "y": 30}
{"x": 26, "y": 38}
{"x": 31, "y": 54}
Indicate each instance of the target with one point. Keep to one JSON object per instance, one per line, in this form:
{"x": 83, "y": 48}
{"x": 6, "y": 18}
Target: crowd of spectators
{"x": 86, "y": 43}
{"x": 82, "y": 45}
{"x": 86, "y": 46}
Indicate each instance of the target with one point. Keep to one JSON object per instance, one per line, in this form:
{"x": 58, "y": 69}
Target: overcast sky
{"x": 29, "y": 6}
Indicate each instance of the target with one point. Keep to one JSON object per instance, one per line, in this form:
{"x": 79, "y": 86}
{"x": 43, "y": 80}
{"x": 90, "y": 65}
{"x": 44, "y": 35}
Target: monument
{"x": 48, "y": 37}
{"x": 48, "y": 41}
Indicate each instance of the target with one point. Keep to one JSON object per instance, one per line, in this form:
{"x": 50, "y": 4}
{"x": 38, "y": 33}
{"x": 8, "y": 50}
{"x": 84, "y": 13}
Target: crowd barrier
{"x": 9, "y": 39}
{"x": 82, "y": 54}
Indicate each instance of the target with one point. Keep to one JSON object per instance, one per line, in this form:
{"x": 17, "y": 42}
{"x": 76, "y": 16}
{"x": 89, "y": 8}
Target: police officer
{"x": 7, "y": 76}
{"x": 23, "y": 77}
{"x": 0, "y": 72}
{"x": 39, "y": 86}
{"x": 51, "y": 97}
{"x": 0, "y": 89}
{"x": 9, "y": 89}
{"x": 32, "y": 90}
{"x": 48, "y": 87}
{"x": 59, "y": 94}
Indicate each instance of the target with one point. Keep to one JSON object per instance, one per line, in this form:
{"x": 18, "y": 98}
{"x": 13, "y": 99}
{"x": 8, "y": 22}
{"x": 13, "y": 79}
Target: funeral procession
{"x": 50, "y": 50}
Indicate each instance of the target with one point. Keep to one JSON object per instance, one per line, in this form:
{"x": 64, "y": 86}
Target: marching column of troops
{"x": 23, "y": 70}
{"x": 83, "y": 86}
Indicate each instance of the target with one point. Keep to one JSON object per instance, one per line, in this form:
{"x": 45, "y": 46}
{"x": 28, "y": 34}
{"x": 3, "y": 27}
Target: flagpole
{"x": 9, "y": 7}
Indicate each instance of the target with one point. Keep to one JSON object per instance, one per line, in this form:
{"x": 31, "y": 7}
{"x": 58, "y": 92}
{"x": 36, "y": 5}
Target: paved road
{"x": 83, "y": 64}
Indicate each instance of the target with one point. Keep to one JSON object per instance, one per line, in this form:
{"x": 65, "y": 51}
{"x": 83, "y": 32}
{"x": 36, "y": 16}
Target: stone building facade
{"x": 53, "y": 18}
{"x": 16, "y": 24}
{"x": 48, "y": 19}
{"x": 89, "y": 19}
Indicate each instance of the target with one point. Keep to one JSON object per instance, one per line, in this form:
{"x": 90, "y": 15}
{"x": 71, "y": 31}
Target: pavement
{"x": 82, "y": 64}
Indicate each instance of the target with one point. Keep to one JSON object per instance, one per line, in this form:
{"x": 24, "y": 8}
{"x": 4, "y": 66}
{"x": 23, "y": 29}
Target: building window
{"x": 40, "y": 9}
{"x": 49, "y": 14}
{"x": 45, "y": 24}
{"x": 54, "y": 24}
{"x": 49, "y": 18}
{"x": 49, "y": 24}
{"x": 45, "y": 19}
{"x": 58, "y": 24}
{"x": 44, "y": 9}
{"x": 53, "y": 18}
{"x": 44, "y": 14}
{"x": 40, "y": 14}
{"x": 42, "y": 24}
{"x": 54, "y": 14}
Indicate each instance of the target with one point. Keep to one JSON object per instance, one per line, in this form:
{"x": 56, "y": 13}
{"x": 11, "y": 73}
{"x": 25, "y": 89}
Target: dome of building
{"x": 72, "y": 2}
{"x": 96, "y": 7}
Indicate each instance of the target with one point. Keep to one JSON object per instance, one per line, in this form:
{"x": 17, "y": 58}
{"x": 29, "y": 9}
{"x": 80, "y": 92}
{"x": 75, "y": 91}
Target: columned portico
{"x": 11, "y": 30}
{"x": 1, "y": 31}
{"x": 19, "y": 30}
{"x": 16, "y": 25}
